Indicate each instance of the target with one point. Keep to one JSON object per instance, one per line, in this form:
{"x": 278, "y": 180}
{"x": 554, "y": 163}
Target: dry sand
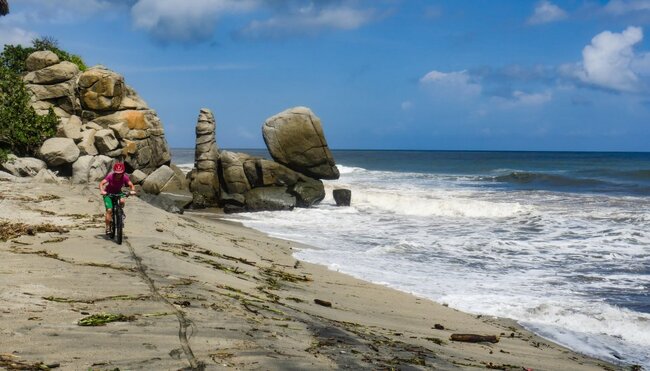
{"x": 204, "y": 294}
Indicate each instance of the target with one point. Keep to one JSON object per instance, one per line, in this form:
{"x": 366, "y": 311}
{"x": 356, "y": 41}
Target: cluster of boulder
{"x": 102, "y": 120}
{"x": 240, "y": 182}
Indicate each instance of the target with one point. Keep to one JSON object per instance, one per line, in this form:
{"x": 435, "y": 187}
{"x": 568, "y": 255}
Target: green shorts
{"x": 108, "y": 202}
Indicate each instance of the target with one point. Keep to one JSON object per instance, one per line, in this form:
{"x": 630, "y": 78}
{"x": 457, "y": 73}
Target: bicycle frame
{"x": 117, "y": 218}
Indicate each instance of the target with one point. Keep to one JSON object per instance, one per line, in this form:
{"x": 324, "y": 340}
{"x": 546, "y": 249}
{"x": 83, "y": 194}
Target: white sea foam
{"x": 552, "y": 261}
{"x": 186, "y": 167}
{"x": 422, "y": 204}
{"x": 348, "y": 169}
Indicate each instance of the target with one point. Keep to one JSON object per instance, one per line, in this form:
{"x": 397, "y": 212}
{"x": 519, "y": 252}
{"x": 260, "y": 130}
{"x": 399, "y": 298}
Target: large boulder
{"x": 142, "y": 136}
{"x": 264, "y": 173}
{"x": 165, "y": 179}
{"x": 70, "y": 128}
{"x": 91, "y": 169}
{"x": 59, "y": 151}
{"x": 105, "y": 141}
{"x": 41, "y": 59}
{"x": 295, "y": 139}
{"x": 269, "y": 199}
{"x": 59, "y": 90}
{"x": 22, "y": 166}
{"x": 132, "y": 101}
{"x": 308, "y": 192}
{"x": 87, "y": 143}
{"x": 232, "y": 171}
{"x": 59, "y": 72}
{"x": 101, "y": 89}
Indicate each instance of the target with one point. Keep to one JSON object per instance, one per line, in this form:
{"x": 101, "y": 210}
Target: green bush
{"x": 22, "y": 131}
{"x": 13, "y": 57}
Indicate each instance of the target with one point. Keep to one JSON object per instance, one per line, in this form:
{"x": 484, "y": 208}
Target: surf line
{"x": 183, "y": 322}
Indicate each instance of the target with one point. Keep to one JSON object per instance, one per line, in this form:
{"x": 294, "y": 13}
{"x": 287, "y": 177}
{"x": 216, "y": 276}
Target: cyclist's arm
{"x": 130, "y": 184}
{"x": 102, "y": 185}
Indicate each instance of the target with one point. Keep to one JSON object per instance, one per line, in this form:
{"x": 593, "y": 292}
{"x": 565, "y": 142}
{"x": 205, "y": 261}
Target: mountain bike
{"x": 117, "y": 220}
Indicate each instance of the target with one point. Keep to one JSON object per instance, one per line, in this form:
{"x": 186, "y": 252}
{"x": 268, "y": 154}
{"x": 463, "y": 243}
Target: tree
{"x": 4, "y": 7}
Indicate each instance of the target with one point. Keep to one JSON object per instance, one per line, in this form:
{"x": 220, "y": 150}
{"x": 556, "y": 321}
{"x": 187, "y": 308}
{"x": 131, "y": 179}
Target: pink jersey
{"x": 114, "y": 184}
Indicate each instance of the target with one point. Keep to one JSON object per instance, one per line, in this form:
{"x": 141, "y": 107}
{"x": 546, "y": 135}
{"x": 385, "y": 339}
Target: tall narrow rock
{"x": 204, "y": 182}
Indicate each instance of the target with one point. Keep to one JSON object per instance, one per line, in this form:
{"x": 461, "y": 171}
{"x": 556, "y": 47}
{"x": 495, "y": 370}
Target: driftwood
{"x": 323, "y": 303}
{"x": 472, "y": 338}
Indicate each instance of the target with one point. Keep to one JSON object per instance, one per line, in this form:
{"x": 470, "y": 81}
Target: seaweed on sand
{"x": 9, "y": 230}
{"x": 101, "y": 319}
{"x": 11, "y": 362}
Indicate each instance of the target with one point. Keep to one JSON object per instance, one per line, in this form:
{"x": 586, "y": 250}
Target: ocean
{"x": 559, "y": 241}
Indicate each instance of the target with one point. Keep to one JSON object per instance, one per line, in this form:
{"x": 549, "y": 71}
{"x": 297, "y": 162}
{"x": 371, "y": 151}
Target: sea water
{"x": 559, "y": 242}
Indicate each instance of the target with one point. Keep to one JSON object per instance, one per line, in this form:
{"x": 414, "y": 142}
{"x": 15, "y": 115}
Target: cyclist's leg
{"x": 108, "y": 203}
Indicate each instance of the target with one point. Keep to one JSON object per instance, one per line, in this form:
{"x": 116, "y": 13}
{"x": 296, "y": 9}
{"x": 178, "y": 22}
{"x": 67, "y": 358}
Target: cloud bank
{"x": 196, "y": 20}
{"x": 309, "y": 19}
{"x": 189, "y": 21}
{"x": 621, "y": 7}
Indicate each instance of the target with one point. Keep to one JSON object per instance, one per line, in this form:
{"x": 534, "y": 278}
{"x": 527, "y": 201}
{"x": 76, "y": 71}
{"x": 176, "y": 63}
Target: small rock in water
{"x": 342, "y": 196}
{"x": 438, "y": 326}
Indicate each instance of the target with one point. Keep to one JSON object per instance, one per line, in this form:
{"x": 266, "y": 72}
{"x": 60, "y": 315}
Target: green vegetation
{"x": 22, "y": 131}
{"x": 13, "y": 57}
{"x": 102, "y": 319}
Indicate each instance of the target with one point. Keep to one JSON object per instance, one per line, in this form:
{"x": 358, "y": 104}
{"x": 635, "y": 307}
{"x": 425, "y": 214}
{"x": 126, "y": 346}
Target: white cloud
{"x": 609, "y": 60}
{"x": 620, "y": 7}
{"x": 15, "y": 36}
{"x": 309, "y": 19}
{"x": 522, "y": 99}
{"x": 547, "y": 12}
{"x": 191, "y": 20}
{"x": 456, "y": 83}
{"x": 407, "y": 105}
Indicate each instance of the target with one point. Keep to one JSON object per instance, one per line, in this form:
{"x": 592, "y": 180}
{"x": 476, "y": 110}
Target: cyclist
{"x": 112, "y": 184}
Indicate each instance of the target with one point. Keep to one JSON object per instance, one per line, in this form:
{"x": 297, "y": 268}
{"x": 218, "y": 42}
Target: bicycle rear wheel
{"x": 119, "y": 225}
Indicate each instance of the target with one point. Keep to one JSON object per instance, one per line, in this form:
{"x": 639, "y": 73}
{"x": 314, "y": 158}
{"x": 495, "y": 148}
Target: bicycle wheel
{"x": 111, "y": 233}
{"x": 119, "y": 225}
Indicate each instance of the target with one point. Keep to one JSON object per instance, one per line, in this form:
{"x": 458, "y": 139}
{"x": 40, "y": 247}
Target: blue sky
{"x": 381, "y": 74}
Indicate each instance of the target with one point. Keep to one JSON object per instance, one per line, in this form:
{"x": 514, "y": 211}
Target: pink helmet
{"x": 118, "y": 167}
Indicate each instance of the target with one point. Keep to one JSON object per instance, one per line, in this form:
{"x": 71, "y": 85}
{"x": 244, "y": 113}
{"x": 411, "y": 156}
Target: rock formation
{"x": 103, "y": 120}
{"x": 22, "y": 167}
{"x": 256, "y": 184}
{"x": 248, "y": 183}
{"x": 204, "y": 181}
{"x": 295, "y": 139}
{"x": 98, "y": 114}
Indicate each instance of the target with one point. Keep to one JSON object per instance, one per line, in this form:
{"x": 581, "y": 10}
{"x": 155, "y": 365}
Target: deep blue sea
{"x": 559, "y": 241}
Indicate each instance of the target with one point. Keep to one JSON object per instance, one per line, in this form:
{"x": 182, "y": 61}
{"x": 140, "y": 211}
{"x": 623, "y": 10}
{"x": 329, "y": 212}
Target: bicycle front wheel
{"x": 119, "y": 225}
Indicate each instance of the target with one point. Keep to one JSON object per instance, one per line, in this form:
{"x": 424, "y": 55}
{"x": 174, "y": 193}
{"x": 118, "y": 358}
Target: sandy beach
{"x": 191, "y": 292}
